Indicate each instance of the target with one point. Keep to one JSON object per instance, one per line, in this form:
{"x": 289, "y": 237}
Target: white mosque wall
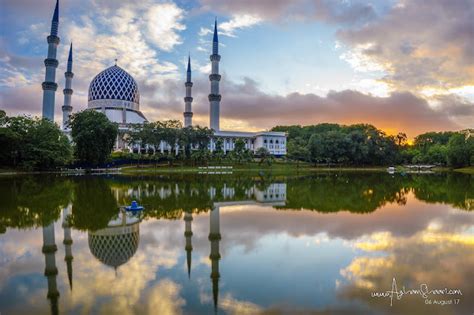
{"x": 120, "y": 116}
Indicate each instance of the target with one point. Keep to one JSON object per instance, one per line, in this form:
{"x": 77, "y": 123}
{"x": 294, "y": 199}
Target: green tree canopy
{"x": 32, "y": 143}
{"x": 460, "y": 151}
{"x": 94, "y": 136}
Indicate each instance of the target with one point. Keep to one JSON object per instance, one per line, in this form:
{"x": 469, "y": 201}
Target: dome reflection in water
{"x": 118, "y": 242}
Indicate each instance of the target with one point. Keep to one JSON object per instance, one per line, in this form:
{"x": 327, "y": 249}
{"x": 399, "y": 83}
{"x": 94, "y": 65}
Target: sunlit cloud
{"x": 359, "y": 58}
{"x": 164, "y": 21}
{"x": 229, "y": 28}
{"x": 238, "y": 22}
{"x": 237, "y": 307}
{"x": 164, "y": 298}
{"x": 433, "y": 256}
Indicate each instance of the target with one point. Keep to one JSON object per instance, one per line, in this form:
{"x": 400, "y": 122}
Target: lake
{"x": 324, "y": 243}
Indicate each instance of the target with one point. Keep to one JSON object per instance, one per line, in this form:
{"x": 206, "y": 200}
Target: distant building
{"x": 115, "y": 93}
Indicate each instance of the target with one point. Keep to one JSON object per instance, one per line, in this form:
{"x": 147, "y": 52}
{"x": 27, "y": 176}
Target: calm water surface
{"x": 319, "y": 244}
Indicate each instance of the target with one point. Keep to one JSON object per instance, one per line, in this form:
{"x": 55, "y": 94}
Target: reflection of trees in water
{"x": 94, "y": 204}
{"x": 355, "y": 192}
{"x": 29, "y": 201}
{"x": 366, "y": 192}
{"x": 449, "y": 188}
{"x": 32, "y": 201}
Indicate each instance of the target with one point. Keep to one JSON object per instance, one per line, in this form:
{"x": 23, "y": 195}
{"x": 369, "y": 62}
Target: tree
{"x": 426, "y": 140}
{"x": 200, "y": 156}
{"x": 264, "y": 156}
{"x": 32, "y": 143}
{"x": 218, "y": 153}
{"x": 437, "y": 154}
{"x": 296, "y": 150}
{"x": 94, "y": 136}
{"x": 239, "y": 151}
{"x": 460, "y": 150}
{"x": 202, "y": 137}
{"x": 401, "y": 138}
{"x": 330, "y": 147}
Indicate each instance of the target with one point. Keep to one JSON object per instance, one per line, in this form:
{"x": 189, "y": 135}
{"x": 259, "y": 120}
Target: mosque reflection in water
{"x": 116, "y": 244}
{"x": 319, "y": 242}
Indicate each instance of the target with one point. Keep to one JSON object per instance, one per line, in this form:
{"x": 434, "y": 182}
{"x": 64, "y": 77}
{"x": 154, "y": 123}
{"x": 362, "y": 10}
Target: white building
{"x": 115, "y": 93}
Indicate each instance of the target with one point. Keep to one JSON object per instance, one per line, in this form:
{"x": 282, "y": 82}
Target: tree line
{"x": 365, "y": 145}
{"x": 38, "y": 144}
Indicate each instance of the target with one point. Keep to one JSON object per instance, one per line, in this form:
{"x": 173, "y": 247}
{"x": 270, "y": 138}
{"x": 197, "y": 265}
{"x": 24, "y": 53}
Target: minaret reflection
{"x": 214, "y": 238}
{"x": 68, "y": 243}
{"x": 188, "y": 233}
{"x": 51, "y": 271}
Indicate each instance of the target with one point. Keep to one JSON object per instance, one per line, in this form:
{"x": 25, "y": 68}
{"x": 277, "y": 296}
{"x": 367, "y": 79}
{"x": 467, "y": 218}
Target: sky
{"x": 401, "y": 65}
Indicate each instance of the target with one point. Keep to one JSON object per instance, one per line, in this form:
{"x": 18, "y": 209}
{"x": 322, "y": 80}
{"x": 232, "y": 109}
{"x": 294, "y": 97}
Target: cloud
{"x": 164, "y": 33}
{"x": 245, "y": 102}
{"x": 339, "y": 11}
{"x": 398, "y": 45}
{"x": 130, "y": 32}
{"x": 229, "y": 28}
{"x": 245, "y": 106}
{"x": 413, "y": 50}
{"x": 435, "y": 257}
{"x": 164, "y": 298}
{"x": 235, "y": 306}
{"x": 238, "y": 22}
{"x": 402, "y": 41}
{"x": 423, "y": 79}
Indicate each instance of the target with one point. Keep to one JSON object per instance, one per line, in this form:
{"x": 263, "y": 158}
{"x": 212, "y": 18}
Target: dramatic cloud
{"x": 453, "y": 258}
{"x": 130, "y": 33}
{"x": 412, "y": 74}
{"x": 419, "y": 44}
{"x": 401, "y": 45}
{"x": 400, "y": 111}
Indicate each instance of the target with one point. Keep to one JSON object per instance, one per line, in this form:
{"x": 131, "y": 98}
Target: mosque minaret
{"x": 51, "y": 63}
{"x": 215, "y": 77}
{"x": 188, "y": 100}
{"x": 215, "y": 256}
{"x": 68, "y": 243}
{"x": 51, "y": 271}
{"x": 67, "y": 107}
{"x": 188, "y": 234}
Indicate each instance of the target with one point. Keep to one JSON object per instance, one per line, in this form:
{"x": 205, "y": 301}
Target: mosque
{"x": 115, "y": 93}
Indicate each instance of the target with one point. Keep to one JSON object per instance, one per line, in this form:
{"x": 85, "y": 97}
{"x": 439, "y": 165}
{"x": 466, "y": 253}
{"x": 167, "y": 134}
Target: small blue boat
{"x": 134, "y": 207}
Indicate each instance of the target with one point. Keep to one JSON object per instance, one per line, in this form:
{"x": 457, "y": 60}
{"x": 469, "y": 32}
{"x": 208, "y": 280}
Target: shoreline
{"x": 278, "y": 169}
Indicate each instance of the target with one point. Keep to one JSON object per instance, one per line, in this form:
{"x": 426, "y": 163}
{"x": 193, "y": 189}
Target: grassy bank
{"x": 250, "y": 168}
{"x": 466, "y": 170}
{"x": 253, "y": 168}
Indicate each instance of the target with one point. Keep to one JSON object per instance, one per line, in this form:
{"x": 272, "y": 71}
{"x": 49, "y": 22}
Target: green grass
{"x": 466, "y": 170}
{"x": 247, "y": 168}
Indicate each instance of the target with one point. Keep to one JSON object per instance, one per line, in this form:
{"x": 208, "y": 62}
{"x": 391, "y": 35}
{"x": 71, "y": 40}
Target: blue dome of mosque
{"x": 114, "y": 83}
